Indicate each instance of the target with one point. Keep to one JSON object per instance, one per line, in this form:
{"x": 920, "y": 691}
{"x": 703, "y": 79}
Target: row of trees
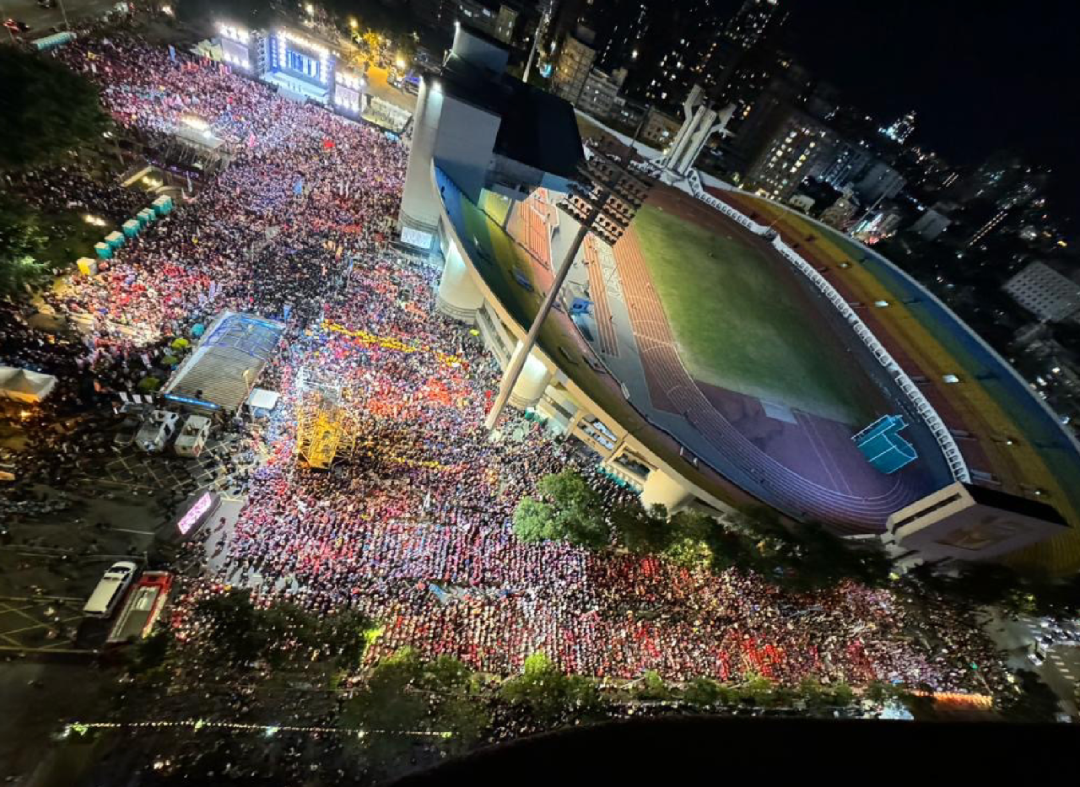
{"x": 567, "y": 508}
{"x": 228, "y": 633}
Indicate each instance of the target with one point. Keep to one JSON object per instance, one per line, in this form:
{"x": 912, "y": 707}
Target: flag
{"x": 172, "y": 53}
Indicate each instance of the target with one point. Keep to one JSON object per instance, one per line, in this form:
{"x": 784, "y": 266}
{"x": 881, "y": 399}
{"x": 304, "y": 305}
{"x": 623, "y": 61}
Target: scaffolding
{"x": 325, "y": 431}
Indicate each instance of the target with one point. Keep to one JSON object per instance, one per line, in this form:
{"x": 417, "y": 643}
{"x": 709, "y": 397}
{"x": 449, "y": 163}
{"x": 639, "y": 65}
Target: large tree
{"x": 547, "y": 693}
{"x": 639, "y": 531}
{"x": 569, "y": 510}
{"x": 404, "y": 695}
{"x": 46, "y": 110}
{"x": 21, "y": 243}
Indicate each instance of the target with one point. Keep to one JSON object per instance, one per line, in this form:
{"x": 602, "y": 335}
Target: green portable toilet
{"x": 103, "y": 250}
{"x": 115, "y": 239}
{"x": 131, "y": 228}
{"x": 145, "y": 216}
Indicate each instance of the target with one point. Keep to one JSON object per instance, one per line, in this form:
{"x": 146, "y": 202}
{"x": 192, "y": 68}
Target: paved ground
{"x": 30, "y": 622}
{"x": 1061, "y": 668}
{"x": 40, "y": 19}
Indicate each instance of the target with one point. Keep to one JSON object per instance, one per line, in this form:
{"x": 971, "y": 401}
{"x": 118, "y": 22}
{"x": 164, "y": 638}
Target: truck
{"x": 140, "y": 612}
{"x": 110, "y": 590}
{"x": 193, "y": 436}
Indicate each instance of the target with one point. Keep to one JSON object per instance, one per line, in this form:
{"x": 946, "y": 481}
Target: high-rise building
{"x": 497, "y": 19}
{"x": 847, "y": 163}
{"x": 793, "y": 147}
{"x": 931, "y": 224}
{"x": 901, "y": 129}
{"x": 481, "y": 129}
{"x": 601, "y": 90}
{"x": 879, "y": 181}
{"x": 574, "y": 64}
{"x": 1050, "y": 295}
{"x": 753, "y": 22}
{"x": 740, "y": 61}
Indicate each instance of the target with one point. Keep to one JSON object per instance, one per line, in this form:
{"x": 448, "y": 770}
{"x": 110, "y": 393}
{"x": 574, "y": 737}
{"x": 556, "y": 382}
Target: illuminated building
{"x": 1041, "y": 289}
{"x": 901, "y": 129}
{"x": 794, "y": 145}
{"x": 574, "y": 64}
{"x": 484, "y": 130}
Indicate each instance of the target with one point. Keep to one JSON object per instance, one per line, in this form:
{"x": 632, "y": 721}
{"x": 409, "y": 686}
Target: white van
{"x": 157, "y": 431}
{"x": 103, "y": 601}
{"x": 193, "y": 436}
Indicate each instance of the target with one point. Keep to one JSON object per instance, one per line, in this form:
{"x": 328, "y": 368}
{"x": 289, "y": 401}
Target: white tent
{"x": 24, "y": 385}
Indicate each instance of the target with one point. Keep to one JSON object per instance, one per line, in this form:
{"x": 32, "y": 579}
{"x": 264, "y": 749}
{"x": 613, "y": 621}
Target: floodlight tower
{"x": 604, "y": 199}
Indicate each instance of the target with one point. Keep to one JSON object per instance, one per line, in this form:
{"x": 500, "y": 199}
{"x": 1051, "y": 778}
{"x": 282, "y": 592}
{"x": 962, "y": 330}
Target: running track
{"x": 671, "y": 388}
{"x": 605, "y": 326}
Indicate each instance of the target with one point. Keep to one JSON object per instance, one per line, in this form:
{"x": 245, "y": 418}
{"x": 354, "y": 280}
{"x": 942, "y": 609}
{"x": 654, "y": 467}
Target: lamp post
{"x": 603, "y": 200}
{"x": 63, "y": 12}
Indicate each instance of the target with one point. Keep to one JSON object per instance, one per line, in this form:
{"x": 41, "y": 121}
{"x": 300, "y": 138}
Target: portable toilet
{"x": 103, "y": 250}
{"x": 162, "y": 205}
{"x": 146, "y": 216}
{"x": 87, "y": 266}
{"x": 131, "y": 228}
{"x": 115, "y": 239}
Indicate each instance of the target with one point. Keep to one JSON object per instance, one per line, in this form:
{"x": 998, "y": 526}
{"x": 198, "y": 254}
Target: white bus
{"x": 103, "y": 601}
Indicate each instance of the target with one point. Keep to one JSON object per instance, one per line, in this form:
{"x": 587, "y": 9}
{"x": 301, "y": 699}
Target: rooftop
{"x": 227, "y": 361}
{"x": 538, "y": 129}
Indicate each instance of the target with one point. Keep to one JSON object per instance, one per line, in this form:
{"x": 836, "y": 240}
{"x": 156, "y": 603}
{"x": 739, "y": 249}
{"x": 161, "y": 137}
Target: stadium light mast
{"x": 604, "y": 199}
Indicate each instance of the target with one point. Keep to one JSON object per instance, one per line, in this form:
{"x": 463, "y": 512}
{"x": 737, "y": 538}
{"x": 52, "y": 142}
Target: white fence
{"x": 929, "y": 415}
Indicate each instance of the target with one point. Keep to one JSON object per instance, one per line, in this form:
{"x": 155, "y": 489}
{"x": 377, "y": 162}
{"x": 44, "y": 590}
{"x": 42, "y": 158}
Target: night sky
{"x": 980, "y": 75}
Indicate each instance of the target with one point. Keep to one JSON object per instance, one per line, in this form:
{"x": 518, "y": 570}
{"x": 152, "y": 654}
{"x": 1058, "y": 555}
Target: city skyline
{"x": 965, "y": 110}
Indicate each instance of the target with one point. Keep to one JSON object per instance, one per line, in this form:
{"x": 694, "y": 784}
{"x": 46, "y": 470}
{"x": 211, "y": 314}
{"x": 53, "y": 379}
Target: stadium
{"x": 726, "y": 352}
{"x": 702, "y": 341}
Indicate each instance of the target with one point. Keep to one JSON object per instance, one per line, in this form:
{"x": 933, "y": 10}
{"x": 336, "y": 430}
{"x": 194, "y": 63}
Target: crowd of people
{"x": 414, "y": 526}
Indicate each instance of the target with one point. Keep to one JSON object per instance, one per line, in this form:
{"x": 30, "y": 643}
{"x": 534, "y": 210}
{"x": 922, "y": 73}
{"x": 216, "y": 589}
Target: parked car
{"x": 125, "y": 435}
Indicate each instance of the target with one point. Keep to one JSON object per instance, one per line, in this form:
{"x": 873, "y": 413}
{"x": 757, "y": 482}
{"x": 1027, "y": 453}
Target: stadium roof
{"x": 538, "y": 128}
{"x": 1036, "y": 509}
{"x": 227, "y": 361}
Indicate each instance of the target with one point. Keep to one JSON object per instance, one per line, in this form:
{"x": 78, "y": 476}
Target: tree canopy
{"x": 47, "y": 110}
{"x": 570, "y": 510}
{"x": 21, "y": 243}
{"x": 547, "y": 692}
{"x": 237, "y": 633}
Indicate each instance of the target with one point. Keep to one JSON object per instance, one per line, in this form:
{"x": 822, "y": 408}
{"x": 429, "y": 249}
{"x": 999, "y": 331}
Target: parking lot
{"x": 144, "y": 473}
{"x": 37, "y": 624}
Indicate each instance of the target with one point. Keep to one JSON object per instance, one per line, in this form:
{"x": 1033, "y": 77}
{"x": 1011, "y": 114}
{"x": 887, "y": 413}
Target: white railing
{"x": 922, "y": 406}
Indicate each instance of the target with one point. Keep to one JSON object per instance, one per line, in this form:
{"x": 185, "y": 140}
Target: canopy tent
{"x": 24, "y": 385}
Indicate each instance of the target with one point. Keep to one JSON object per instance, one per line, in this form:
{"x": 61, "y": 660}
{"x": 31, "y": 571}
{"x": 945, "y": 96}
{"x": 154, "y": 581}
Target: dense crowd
{"x": 415, "y": 528}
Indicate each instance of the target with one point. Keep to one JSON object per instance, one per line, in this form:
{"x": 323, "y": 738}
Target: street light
{"x": 604, "y": 200}
{"x": 353, "y": 23}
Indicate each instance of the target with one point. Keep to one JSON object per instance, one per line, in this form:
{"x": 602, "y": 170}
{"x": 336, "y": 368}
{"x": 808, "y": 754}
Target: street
{"x": 40, "y": 19}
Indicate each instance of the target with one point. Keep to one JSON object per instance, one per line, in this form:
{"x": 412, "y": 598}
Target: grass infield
{"x": 740, "y": 325}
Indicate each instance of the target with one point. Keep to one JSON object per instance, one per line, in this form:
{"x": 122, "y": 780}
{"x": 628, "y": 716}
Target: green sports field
{"x": 741, "y": 323}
